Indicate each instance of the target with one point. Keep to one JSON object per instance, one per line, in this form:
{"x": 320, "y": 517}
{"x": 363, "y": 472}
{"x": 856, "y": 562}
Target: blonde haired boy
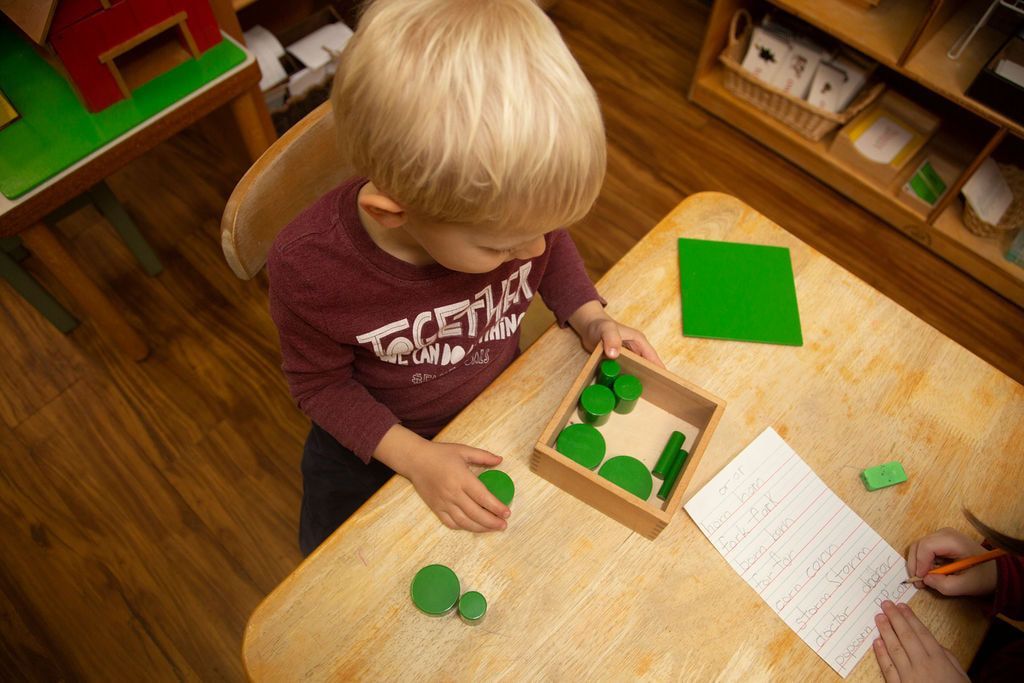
{"x": 398, "y": 295}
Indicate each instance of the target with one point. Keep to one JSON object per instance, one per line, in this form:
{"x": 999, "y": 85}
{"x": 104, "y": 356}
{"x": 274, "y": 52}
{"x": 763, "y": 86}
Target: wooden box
{"x": 667, "y": 404}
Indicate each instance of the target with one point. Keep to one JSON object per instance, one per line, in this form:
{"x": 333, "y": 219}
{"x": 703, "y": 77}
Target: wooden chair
{"x": 298, "y": 168}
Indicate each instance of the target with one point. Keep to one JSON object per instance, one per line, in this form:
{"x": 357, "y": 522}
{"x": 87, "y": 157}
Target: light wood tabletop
{"x": 572, "y": 593}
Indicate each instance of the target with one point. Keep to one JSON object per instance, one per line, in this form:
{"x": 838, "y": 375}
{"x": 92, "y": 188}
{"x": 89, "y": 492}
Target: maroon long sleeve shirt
{"x": 369, "y": 341}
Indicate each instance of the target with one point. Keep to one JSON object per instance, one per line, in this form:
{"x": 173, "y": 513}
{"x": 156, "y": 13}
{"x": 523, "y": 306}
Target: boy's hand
{"x": 907, "y": 652}
{"x": 594, "y": 326}
{"x": 441, "y": 476}
{"x": 953, "y": 545}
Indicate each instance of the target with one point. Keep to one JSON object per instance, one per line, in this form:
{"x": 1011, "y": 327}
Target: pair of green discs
{"x": 585, "y": 444}
{"x": 435, "y": 591}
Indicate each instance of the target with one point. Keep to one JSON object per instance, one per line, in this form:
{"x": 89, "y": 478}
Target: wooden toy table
{"x": 574, "y": 595}
{"x": 23, "y": 216}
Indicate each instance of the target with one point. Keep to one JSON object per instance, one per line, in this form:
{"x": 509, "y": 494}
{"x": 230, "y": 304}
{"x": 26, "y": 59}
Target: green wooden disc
{"x": 472, "y": 606}
{"x": 630, "y": 474}
{"x": 500, "y": 484}
{"x": 607, "y": 371}
{"x": 582, "y": 443}
{"x": 435, "y": 589}
{"x": 596, "y": 404}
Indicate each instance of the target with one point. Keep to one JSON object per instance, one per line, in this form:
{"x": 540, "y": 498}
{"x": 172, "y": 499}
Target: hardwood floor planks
{"x": 146, "y": 508}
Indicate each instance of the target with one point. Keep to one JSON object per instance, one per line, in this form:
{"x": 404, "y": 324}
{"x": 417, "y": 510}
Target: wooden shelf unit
{"x": 925, "y": 31}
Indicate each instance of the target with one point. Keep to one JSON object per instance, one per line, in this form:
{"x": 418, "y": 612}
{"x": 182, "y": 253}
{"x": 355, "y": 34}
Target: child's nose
{"x": 531, "y": 250}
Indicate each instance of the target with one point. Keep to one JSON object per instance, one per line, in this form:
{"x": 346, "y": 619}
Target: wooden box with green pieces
{"x": 627, "y": 439}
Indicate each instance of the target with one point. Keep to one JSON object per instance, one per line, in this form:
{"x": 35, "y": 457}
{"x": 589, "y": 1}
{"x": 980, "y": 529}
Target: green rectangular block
{"x": 889, "y": 474}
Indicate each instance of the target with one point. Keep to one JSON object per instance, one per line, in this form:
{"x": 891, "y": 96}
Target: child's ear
{"x": 386, "y": 211}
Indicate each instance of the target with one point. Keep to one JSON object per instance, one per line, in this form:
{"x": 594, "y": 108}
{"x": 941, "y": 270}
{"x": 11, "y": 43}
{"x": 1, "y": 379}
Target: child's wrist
{"x": 400, "y": 449}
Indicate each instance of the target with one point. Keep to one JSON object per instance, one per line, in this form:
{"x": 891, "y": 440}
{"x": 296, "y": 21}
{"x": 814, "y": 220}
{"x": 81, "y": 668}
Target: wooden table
{"x": 238, "y": 87}
{"x": 574, "y": 595}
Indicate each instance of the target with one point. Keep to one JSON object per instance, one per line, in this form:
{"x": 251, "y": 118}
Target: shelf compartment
{"x": 882, "y": 32}
{"x": 946, "y": 237}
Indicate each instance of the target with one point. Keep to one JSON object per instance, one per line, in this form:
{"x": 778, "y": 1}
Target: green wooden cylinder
{"x": 607, "y": 372}
{"x": 627, "y": 393}
{"x": 596, "y": 404}
{"x": 672, "y": 474}
{"x": 668, "y": 454}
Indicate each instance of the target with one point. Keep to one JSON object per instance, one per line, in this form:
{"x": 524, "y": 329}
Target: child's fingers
{"x": 889, "y": 672}
{"x": 926, "y": 637}
{"x": 487, "y": 500}
{"x": 611, "y": 339}
{"x": 481, "y": 517}
{"x": 900, "y": 624}
{"x": 643, "y": 348}
{"x": 478, "y": 456}
{"x": 893, "y": 648}
{"x": 463, "y": 521}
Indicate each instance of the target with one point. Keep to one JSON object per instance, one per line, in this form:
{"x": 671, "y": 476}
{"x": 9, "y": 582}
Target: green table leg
{"x": 32, "y": 292}
{"x": 108, "y": 205}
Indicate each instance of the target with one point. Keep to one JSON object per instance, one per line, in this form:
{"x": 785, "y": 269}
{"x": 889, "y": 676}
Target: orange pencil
{"x": 961, "y": 565}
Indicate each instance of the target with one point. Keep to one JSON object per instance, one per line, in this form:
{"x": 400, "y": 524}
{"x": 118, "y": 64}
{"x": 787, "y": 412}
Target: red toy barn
{"x": 109, "y": 47}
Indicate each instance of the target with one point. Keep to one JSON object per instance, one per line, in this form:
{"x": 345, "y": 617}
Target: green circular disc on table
{"x": 500, "y": 484}
{"x": 596, "y": 404}
{"x": 435, "y": 589}
{"x": 582, "y": 443}
{"x": 630, "y": 474}
{"x": 472, "y": 606}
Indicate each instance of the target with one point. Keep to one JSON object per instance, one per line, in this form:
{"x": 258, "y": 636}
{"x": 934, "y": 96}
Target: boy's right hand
{"x": 952, "y": 545}
{"x": 441, "y": 475}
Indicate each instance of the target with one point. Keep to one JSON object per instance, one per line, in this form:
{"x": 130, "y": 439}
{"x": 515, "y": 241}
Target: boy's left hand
{"x": 594, "y": 326}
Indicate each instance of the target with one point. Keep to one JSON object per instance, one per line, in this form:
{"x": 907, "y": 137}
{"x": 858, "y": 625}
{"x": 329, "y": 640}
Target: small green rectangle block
{"x": 889, "y": 474}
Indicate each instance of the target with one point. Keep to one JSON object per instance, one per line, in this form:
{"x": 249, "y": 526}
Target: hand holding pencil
{"x": 965, "y": 573}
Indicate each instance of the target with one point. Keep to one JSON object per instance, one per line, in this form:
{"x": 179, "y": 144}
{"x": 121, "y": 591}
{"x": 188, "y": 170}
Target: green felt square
{"x": 738, "y": 291}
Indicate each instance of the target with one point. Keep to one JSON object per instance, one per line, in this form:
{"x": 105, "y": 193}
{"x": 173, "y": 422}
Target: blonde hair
{"x": 470, "y": 111}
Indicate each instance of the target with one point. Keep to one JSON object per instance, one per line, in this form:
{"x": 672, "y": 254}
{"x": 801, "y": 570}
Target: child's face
{"x": 473, "y": 248}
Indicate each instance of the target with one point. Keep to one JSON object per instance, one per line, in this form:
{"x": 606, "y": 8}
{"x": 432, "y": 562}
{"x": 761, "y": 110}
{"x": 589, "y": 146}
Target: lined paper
{"x": 809, "y": 556}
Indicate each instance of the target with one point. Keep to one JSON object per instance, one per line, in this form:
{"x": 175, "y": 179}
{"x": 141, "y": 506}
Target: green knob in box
{"x": 596, "y": 404}
{"x": 607, "y": 371}
{"x": 627, "y": 392}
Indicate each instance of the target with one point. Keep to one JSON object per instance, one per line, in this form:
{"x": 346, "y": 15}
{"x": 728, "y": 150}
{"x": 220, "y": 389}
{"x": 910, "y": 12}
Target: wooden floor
{"x": 146, "y": 508}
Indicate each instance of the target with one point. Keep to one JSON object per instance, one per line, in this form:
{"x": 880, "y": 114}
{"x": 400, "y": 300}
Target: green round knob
{"x": 500, "y": 484}
{"x": 596, "y": 404}
{"x": 627, "y": 392}
{"x": 435, "y": 589}
{"x": 582, "y": 443}
{"x": 607, "y": 371}
{"x": 630, "y": 474}
{"x": 472, "y": 607}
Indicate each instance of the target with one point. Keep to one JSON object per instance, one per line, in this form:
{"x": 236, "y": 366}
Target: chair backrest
{"x": 297, "y": 169}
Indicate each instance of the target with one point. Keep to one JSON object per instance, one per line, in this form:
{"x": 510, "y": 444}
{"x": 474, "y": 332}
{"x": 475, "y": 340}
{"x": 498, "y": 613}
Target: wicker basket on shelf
{"x": 1014, "y": 216}
{"x": 810, "y": 121}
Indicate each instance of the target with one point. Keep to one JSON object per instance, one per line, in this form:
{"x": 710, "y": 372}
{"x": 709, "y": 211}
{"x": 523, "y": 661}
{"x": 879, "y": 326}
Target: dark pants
{"x": 335, "y": 482}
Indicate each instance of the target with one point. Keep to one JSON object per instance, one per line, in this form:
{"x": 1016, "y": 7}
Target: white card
{"x": 826, "y": 87}
{"x": 811, "y": 558}
{"x": 795, "y": 74}
{"x": 988, "y": 192}
{"x": 765, "y": 55}
{"x": 267, "y": 50}
{"x": 1011, "y": 71}
{"x": 315, "y": 49}
{"x": 883, "y": 140}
